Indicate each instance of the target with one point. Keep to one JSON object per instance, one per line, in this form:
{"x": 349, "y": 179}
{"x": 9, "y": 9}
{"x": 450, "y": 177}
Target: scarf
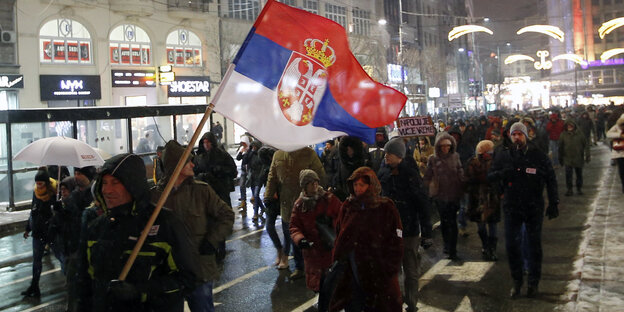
{"x": 309, "y": 202}
{"x": 46, "y": 193}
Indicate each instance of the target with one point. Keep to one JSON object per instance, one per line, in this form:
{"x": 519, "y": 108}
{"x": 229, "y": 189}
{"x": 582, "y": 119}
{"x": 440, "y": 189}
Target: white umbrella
{"x": 60, "y": 151}
{"x": 104, "y": 154}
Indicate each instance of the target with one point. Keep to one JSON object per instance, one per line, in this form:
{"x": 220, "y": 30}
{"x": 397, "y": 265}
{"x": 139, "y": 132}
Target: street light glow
{"x": 459, "y": 31}
{"x": 609, "y": 26}
{"x": 461, "y": 50}
{"x": 486, "y": 19}
{"x": 548, "y": 30}
{"x": 518, "y": 57}
{"x": 611, "y": 53}
{"x": 382, "y": 21}
{"x": 570, "y": 57}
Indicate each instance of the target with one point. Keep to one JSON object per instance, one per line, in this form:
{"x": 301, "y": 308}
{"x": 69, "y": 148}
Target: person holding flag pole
{"x": 294, "y": 82}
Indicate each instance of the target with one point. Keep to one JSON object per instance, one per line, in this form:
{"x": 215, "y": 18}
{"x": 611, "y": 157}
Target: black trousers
{"x": 513, "y": 243}
{"x": 579, "y": 176}
{"x": 448, "y": 224}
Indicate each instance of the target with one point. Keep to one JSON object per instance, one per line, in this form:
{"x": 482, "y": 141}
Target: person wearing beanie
{"x": 483, "y": 199}
{"x": 208, "y": 218}
{"x": 523, "y": 171}
{"x": 445, "y": 178}
{"x": 313, "y": 204}
{"x": 401, "y": 181}
{"x": 166, "y": 268}
{"x": 43, "y": 202}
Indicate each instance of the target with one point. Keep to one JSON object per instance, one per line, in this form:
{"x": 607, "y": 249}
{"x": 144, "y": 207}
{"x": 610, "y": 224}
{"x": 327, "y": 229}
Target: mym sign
{"x": 69, "y": 87}
{"x": 189, "y": 86}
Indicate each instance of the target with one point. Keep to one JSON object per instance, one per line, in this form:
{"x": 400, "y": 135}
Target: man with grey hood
{"x": 208, "y": 218}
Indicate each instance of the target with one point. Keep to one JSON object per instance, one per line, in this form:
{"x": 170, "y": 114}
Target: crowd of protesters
{"x": 355, "y": 216}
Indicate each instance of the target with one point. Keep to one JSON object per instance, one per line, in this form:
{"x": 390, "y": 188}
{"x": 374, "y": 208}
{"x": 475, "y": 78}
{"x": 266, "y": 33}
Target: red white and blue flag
{"x": 294, "y": 82}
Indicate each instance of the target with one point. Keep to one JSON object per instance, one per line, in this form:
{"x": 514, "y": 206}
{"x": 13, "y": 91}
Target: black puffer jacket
{"x": 215, "y": 167}
{"x": 406, "y": 190}
{"x": 165, "y": 269}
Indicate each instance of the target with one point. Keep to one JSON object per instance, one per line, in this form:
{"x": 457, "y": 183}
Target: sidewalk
{"x": 600, "y": 286}
{"x": 13, "y": 221}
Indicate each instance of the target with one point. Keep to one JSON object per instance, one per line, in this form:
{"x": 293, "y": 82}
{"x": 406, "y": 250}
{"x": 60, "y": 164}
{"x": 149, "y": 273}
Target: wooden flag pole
{"x": 165, "y": 194}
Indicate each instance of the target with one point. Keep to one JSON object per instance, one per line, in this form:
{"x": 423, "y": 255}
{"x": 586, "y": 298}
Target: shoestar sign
{"x": 189, "y": 86}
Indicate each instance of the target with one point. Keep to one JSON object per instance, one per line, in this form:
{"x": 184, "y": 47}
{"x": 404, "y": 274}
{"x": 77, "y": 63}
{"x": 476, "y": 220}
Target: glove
{"x": 552, "y": 211}
{"x": 305, "y": 244}
{"x": 206, "y": 248}
{"x": 122, "y": 290}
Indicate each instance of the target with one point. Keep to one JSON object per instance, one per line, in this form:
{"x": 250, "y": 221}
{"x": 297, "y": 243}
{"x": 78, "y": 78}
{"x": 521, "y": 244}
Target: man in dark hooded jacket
{"x": 165, "y": 269}
{"x": 352, "y": 157}
{"x": 573, "y": 152}
{"x": 400, "y": 181}
{"x": 215, "y": 167}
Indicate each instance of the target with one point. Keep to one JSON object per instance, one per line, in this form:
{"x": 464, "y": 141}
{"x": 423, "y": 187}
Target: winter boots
{"x": 242, "y": 207}
{"x": 32, "y": 291}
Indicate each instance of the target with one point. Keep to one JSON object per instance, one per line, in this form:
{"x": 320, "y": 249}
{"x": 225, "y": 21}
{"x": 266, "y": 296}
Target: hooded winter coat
{"x": 165, "y": 269}
{"x": 421, "y": 156}
{"x": 347, "y": 164}
{"x": 615, "y": 133}
{"x": 369, "y": 226}
{"x": 445, "y": 174}
{"x": 215, "y": 167}
{"x": 483, "y": 196}
{"x": 41, "y": 211}
{"x": 554, "y": 127}
{"x": 283, "y": 178}
{"x": 573, "y": 147}
{"x": 208, "y": 218}
{"x": 317, "y": 259}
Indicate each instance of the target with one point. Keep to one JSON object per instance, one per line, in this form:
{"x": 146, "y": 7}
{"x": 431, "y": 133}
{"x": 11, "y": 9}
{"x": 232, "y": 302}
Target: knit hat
{"x": 171, "y": 155}
{"x": 395, "y": 147}
{"x": 88, "y": 171}
{"x": 484, "y": 146}
{"x": 69, "y": 183}
{"x": 306, "y": 176}
{"x": 42, "y": 176}
{"x": 496, "y": 132}
{"x": 518, "y": 126}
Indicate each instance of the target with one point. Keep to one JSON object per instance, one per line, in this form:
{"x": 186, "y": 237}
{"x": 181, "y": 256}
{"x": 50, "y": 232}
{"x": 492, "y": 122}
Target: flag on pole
{"x": 294, "y": 82}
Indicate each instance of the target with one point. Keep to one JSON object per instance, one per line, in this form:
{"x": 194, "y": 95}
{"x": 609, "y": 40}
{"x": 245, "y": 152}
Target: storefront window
{"x": 108, "y": 136}
{"x": 184, "y": 49}
{"x": 8, "y": 100}
{"x": 187, "y": 125}
{"x": 64, "y": 41}
{"x": 129, "y": 45}
{"x": 150, "y": 132}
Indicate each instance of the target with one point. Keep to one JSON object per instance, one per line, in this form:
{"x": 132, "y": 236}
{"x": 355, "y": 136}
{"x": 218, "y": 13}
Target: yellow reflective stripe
{"x": 90, "y": 270}
{"x": 142, "y": 253}
{"x": 172, "y": 291}
{"x": 167, "y": 248}
{"x": 143, "y": 297}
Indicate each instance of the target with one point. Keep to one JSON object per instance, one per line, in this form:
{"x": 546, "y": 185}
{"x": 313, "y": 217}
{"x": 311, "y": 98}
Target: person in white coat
{"x": 616, "y": 134}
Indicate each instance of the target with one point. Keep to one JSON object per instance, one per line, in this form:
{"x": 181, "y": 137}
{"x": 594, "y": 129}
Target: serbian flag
{"x": 294, "y": 83}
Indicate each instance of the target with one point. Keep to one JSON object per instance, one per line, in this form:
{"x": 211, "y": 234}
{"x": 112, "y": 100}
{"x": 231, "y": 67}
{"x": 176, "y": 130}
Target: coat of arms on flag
{"x": 294, "y": 82}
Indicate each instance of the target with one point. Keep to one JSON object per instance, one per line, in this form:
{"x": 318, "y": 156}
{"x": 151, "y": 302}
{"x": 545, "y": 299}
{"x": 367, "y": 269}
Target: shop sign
{"x": 69, "y": 87}
{"x": 189, "y": 86}
{"x": 133, "y": 78}
{"x": 11, "y": 81}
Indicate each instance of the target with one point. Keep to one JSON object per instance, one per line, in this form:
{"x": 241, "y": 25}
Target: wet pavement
{"x": 582, "y": 268}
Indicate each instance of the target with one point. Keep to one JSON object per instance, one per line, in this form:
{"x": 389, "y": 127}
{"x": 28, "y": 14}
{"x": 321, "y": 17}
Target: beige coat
{"x": 283, "y": 177}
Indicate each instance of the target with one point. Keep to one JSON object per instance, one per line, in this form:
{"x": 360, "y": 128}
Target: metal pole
{"x": 401, "y": 46}
{"x": 129, "y": 131}
{"x": 11, "y": 206}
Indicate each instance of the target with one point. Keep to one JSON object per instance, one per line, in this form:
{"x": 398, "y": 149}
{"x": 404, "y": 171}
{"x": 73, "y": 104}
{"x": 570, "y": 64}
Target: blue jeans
{"x": 257, "y": 202}
{"x": 38, "y": 247}
{"x": 270, "y": 227}
{"x": 201, "y": 299}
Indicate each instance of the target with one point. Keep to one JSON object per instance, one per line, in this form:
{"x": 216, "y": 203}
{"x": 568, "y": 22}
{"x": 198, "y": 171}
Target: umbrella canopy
{"x": 60, "y": 151}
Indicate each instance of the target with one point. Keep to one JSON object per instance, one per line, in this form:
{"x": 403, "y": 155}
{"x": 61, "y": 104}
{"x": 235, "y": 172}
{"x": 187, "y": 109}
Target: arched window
{"x": 64, "y": 41}
{"x": 183, "y": 48}
{"x": 129, "y": 45}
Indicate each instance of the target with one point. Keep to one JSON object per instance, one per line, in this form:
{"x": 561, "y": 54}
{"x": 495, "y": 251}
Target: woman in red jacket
{"x": 313, "y": 206}
{"x": 369, "y": 236}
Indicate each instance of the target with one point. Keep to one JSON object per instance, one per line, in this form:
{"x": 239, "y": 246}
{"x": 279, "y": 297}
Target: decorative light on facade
{"x": 609, "y": 26}
{"x": 518, "y": 57}
{"x": 570, "y": 57}
{"x": 543, "y": 63}
{"x": 611, "y": 53}
{"x": 459, "y": 31}
{"x": 548, "y": 30}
